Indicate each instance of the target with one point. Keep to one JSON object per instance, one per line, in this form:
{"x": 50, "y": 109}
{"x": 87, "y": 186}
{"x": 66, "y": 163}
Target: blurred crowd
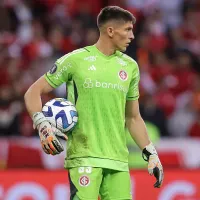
{"x": 34, "y": 33}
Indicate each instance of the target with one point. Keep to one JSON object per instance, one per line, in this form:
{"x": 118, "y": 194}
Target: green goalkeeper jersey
{"x": 99, "y": 86}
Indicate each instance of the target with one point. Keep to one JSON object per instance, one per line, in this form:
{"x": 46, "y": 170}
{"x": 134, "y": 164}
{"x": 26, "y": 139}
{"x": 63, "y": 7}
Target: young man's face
{"x": 122, "y": 35}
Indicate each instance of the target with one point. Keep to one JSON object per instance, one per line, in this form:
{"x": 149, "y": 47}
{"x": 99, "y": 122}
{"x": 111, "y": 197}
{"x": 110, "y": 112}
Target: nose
{"x": 132, "y": 36}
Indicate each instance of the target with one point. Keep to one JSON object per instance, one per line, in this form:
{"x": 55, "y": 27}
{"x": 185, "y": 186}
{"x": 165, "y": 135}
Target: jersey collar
{"x": 103, "y": 55}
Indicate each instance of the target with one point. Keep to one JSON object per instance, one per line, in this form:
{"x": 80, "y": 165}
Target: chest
{"x": 110, "y": 73}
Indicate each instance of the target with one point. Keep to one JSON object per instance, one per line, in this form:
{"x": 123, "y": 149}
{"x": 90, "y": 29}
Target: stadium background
{"x": 34, "y": 33}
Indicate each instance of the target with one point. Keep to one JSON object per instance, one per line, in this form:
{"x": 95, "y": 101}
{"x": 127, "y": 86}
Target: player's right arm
{"x": 48, "y": 134}
{"x": 61, "y": 72}
{"x": 32, "y": 97}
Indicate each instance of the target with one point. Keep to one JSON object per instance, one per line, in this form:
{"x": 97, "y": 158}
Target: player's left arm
{"x": 137, "y": 128}
{"x": 138, "y": 131}
{"x": 136, "y": 125}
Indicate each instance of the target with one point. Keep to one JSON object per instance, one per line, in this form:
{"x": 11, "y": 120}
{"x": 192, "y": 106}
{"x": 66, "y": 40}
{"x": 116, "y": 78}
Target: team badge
{"x": 84, "y": 181}
{"x": 123, "y": 75}
{"x": 53, "y": 69}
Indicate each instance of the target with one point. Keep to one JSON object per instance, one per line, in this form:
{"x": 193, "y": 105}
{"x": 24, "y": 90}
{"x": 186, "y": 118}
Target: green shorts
{"x": 87, "y": 183}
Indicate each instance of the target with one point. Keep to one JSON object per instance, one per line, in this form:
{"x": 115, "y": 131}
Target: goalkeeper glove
{"x": 155, "y": 168}
{"x": 48, "y": 134}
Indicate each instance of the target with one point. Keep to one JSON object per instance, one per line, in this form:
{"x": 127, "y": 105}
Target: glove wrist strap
{"x": 148, "y": 151}
{"x": 38, "y": 118}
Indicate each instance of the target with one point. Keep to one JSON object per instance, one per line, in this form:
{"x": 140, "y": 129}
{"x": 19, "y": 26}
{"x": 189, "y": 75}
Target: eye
{"x": 129, "y": 29}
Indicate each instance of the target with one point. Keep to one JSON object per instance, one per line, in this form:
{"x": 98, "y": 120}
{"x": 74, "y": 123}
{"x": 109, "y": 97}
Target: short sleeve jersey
{"x": 99, "y": 86}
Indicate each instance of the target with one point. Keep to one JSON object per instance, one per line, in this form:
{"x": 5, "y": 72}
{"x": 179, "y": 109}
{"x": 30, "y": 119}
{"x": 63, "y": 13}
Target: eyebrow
{"x": 130, "y": 27}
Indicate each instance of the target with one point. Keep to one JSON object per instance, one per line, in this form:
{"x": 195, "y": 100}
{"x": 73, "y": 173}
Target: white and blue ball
{"x": 61, "y": 113}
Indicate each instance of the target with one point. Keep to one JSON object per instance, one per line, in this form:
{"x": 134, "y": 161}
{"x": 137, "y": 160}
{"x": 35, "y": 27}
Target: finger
{"x": 157, "y": 184}
{"x": 45, "y": 150}
{"x": 43, "y": 147}
{"x": 64, "y": 137}
{"x": 151, "y": 166}
{"x": 51, "y": 152}
{"x": 150, "y": 171}
{"x": 50, "y": 140}
{"x": 60, "y": 134}
{"x": 158, "y": 173}
{"x": 58, "y": 146}
{"x": 55, "y": 145}
{"x": 161, "y": 178}
{"x": 53, "y": 149}
{"x": 46, "y": 146}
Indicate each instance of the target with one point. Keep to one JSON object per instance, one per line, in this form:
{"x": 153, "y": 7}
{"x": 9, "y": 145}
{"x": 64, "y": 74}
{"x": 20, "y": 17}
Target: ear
{"x": 110, "y": 31}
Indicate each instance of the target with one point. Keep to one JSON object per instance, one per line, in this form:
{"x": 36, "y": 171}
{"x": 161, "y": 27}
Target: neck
{"x": 105, "y": 46}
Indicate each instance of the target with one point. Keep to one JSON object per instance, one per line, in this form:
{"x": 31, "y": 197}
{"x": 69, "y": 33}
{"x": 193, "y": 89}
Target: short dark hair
{"x": 114, "y": 13}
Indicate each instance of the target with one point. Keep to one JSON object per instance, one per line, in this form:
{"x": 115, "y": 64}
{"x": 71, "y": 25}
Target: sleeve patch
{"x": 53, "y": 69}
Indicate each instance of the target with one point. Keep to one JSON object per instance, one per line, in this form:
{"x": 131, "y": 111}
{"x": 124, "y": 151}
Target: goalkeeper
{"x": 103, "y": 84}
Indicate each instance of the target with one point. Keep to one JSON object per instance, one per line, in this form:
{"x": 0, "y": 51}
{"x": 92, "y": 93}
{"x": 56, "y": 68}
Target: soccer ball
{"x": 61, "y": 113}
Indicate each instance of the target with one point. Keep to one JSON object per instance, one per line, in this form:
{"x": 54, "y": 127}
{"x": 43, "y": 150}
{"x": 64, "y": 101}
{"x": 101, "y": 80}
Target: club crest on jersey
{"x": 84, "y": 181}
{"x": 53, "y": 69}
{"x": 123, "y": 75}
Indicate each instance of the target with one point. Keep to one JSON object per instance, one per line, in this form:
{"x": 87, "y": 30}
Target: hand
{"x": 154, "y": 165}
{"x": 48, "y": 135}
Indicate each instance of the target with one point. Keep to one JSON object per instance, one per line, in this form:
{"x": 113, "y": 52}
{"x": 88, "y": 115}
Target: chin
{"x": 123, "y": 49}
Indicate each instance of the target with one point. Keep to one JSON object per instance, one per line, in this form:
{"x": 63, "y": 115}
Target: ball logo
{"x": 84, "y": 181}
{"x": 123, "y": 75}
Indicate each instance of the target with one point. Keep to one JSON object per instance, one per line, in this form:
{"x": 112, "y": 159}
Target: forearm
{"x": 138, "y": 131}
{"x": 33, "y": 101}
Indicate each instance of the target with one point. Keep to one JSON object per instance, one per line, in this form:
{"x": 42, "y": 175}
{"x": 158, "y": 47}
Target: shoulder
{"x": 127, "y": 59}
{"x": 74, "y": 55}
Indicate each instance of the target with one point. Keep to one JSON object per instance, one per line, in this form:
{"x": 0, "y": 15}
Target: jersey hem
{"x": 96, "y": 162}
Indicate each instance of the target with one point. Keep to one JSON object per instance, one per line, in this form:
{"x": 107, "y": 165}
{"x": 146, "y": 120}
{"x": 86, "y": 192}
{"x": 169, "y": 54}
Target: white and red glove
{"x": 48, "y": 134}
{"x": 155, "y": 168}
